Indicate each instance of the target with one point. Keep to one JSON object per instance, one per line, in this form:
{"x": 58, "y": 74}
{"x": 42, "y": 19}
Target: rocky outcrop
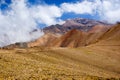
{"x": 16, "y": 45}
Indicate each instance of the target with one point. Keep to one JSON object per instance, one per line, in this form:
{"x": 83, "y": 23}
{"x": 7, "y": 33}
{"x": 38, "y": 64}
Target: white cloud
{"x": 108, "y": 10}
{"x": 79, "y": 7}
{"x": 16, "y": 24}
{"x": 46, "y": 14}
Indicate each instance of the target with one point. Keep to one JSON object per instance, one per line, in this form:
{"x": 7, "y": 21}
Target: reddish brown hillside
{"x": 111, "y": 37}
{"x": 113, "y": 33}
{"x": 77, "y": 38}
{"x": 95, "y": 33}
{"x": 45, "y": 40}
{"x": 73, "y": 38}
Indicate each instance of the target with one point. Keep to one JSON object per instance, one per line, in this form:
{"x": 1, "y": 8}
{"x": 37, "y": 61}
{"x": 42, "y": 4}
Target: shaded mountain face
{"x": 78, "y": 23}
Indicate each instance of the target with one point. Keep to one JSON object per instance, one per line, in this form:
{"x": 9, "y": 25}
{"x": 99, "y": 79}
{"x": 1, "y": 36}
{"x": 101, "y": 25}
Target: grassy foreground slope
{"x": 58, "y": 64}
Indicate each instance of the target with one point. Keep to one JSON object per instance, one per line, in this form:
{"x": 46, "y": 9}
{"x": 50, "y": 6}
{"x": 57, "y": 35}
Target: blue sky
{"x": 51, "y": 2}
{"x": 67, "y": 9}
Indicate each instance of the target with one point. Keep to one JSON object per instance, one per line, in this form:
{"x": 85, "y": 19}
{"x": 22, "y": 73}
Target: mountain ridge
{"x": 77, "y": 23}
{"x": 89, "y": 29}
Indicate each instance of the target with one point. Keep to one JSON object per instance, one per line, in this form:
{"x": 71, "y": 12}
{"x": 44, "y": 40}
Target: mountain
{"x": 77, "y": 23}
{"x": 73, "y": 33}
{"x": 96, "y": 32}
{"x": 111, "y": 37}
{"x": 73, "y": 38}
{"x": 57, "y": 35}
{"x": 100, "y": 34}
{"x": 77, "y": 38}
{"x": 45, "y": 40}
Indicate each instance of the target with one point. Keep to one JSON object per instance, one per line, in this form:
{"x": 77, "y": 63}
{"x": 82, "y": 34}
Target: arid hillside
{"x": 111, "y": 37}
{"x": 78, "y": 38}
{"x": 73, "y": 32}
{"x": 72, "y": 38}
{"x": 45, "y": 40}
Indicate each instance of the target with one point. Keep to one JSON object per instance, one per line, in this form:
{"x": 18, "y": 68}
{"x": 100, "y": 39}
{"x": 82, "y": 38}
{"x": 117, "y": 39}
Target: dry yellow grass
{"x": 56, "y": 64}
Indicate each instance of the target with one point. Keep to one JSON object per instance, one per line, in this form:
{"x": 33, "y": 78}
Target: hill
{"x": 78, "y": 38}
{"x": 45, "y": 40}
{"x": 111, "y": 37}
{"x": 73, "y": 38}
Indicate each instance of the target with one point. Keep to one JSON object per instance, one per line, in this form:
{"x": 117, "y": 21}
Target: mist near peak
{"x": 17, "y": 24}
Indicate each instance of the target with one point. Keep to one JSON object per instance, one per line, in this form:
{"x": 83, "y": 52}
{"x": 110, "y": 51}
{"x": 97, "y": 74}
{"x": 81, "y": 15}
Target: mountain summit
{"x": 76, "y": 23}
{"x": 73, "y": 33}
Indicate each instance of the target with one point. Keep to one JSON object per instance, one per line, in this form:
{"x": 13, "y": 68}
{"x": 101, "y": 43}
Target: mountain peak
{"x": 76, "y": 23}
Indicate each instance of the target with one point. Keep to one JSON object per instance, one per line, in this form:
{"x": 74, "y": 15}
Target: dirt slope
{"x": 111, "y": 37}
{"x": 45, "y": 40}
{"x": 73, "y": 38}
{"x": 77, "y": 38}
